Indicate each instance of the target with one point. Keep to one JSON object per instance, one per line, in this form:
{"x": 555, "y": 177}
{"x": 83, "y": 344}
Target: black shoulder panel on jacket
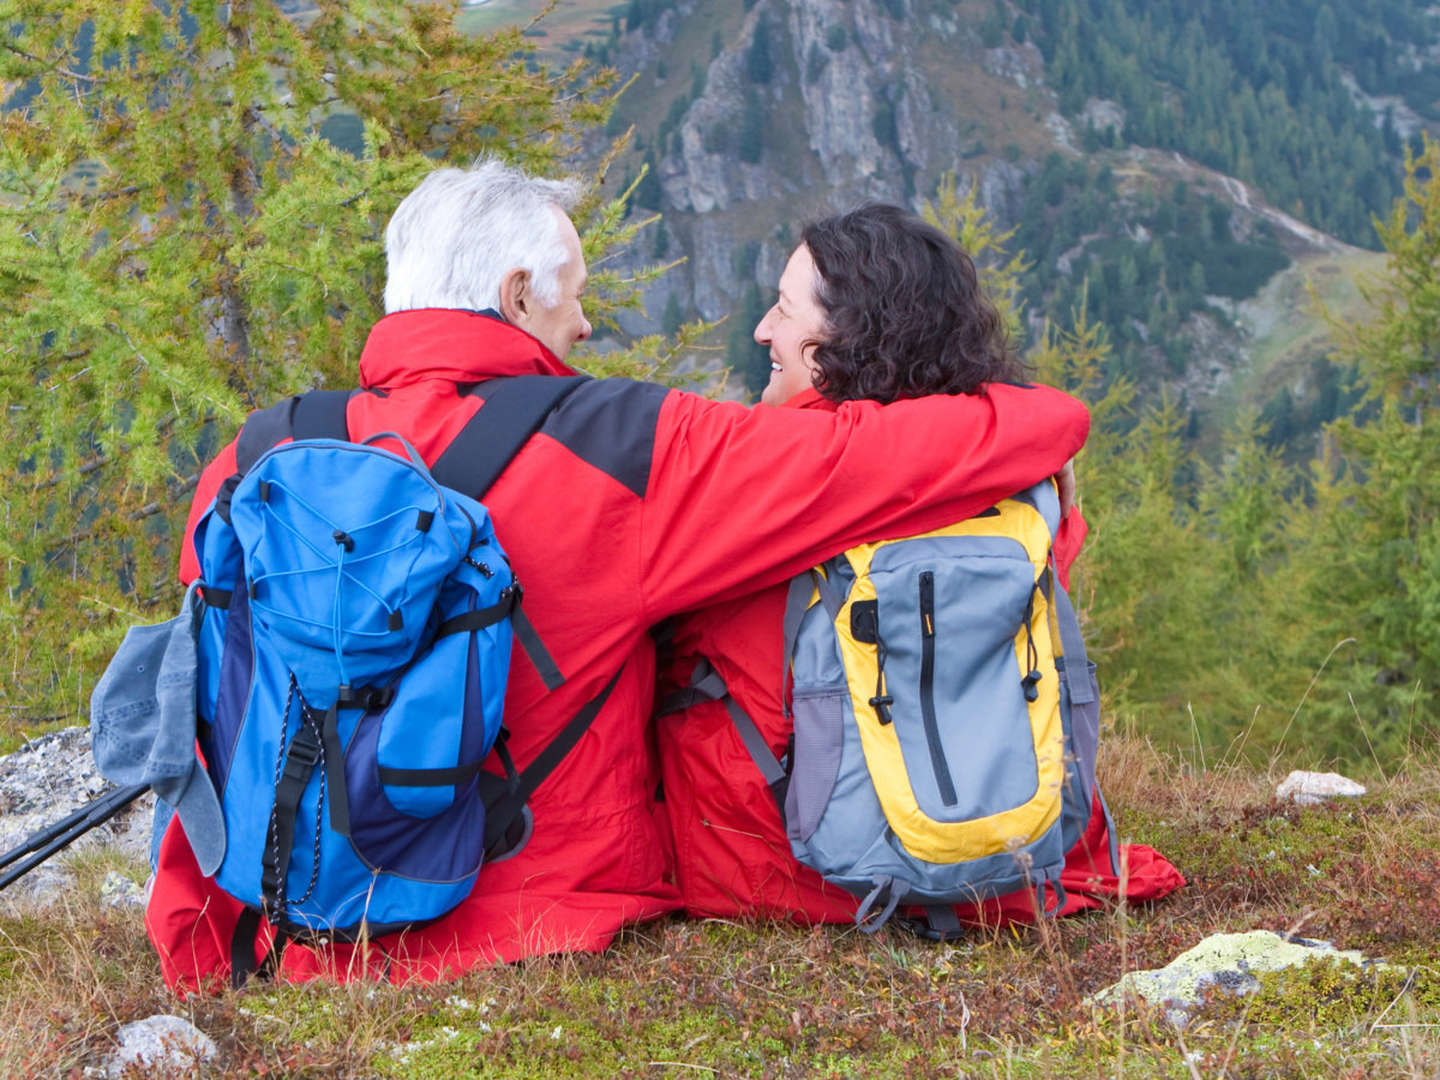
{"x": 610, "y": 424}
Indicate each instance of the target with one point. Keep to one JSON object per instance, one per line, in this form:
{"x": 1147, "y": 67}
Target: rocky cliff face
{"x": 849, "y": 107}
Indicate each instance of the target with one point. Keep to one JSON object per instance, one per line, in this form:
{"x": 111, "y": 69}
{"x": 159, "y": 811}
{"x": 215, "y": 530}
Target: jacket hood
{"x": 456, "y": 346}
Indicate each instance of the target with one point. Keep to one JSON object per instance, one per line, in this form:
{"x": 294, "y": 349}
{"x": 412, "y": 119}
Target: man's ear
{"x": 515, "y": 299}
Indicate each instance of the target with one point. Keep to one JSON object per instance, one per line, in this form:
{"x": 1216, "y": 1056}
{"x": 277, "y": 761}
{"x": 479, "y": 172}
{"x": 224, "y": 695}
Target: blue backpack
{"x": 353, "y": 657}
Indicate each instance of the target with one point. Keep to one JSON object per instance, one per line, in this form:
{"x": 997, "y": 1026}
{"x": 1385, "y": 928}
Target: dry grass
{"x": 718, "y": 999}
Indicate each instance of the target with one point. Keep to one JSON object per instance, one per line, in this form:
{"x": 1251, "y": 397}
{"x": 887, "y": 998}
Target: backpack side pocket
{"x": 819, "y": 738}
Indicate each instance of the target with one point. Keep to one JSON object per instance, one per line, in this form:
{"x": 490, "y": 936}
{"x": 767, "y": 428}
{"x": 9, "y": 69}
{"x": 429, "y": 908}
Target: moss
{"x": 1329, "y": 996}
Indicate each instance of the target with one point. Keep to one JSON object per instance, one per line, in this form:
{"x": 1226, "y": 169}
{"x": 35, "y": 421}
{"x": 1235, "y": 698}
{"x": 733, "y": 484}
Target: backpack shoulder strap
{"x": 264, "y": 429}
{"x": 513, "y": 411}
{"x": 320, "y": 414}
{"x": 706, "y": 684}
{"x": 503, "y": 808}
{"x": 1072, "y": 646}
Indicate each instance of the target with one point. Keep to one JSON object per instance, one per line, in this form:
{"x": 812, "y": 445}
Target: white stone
{"x": 169, "y": 1045}
{"x": 1313, "y": 788}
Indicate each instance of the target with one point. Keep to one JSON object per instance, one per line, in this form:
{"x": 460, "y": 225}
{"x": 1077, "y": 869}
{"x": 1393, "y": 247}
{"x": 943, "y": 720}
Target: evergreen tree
{"x": 1371, "y": 541}
{"x": 181, "y": 246}
{"x": 758, "y": 68}
{"x": 743, "y": 354}
{"x": 673, "y": 317}
{"x": 648, "y": 193}
{"x": 751, "y": 143}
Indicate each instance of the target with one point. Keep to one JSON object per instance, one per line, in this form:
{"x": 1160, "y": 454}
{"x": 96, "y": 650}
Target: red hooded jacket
{"x": 631, "y": 504}
{"x": 732, "y": 857}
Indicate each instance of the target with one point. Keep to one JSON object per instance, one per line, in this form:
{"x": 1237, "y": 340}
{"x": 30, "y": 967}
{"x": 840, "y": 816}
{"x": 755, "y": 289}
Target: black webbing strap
{"x": 242, "y": 950}
{"x": 514, "y": 409}
{"x": 520, "y": 625}
{"x": 216, "y": 598}
{"x": 480, "y": 617}
{"x": 335, "y": 771}
{"x": 943, "y": 920}
{"x": 264, "y": 429}
{"x": 452, "y": 775}
{"x": 242, "y": 947}
{"x": 320, "y": 414}
{"x": 529, "y": 639}
{"x": 300, "y": 761}
{"x": 502, "y": 812}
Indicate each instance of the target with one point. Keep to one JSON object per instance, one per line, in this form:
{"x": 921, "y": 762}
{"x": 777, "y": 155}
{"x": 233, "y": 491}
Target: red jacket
{"x": 731, "y": 855}
{"x": 632, "y": 503}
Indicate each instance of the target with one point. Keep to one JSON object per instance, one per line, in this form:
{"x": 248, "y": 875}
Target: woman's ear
{"x": 515, "y": 299}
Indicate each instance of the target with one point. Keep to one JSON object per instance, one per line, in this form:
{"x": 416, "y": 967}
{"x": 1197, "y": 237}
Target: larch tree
{"x": 181, "y": 244}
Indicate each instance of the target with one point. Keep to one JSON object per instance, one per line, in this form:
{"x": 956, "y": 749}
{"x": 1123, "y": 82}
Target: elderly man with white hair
{"x": 630, "y": 503}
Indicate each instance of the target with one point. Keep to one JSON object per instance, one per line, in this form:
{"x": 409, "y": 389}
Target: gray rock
{"x": 46, "y": 779}
{"x": 119, "y": 891}
{"x": 1101, "y": 113}
{"x": 166, "y": 1045}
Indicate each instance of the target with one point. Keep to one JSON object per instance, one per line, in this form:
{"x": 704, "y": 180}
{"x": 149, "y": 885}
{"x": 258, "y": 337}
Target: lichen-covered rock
{"x": 162, "y": 1045}
{"x": 1228, "y": 962}
{"x": 119, "y": 891}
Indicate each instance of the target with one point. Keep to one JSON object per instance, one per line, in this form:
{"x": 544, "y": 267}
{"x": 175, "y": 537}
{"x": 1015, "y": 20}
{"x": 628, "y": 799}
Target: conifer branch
{"x": 67, "y": 72}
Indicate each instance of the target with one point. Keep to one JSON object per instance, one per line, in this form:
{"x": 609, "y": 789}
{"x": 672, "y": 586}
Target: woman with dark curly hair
{"x": 874, "y": 304}
{"x": 878, "y": 304}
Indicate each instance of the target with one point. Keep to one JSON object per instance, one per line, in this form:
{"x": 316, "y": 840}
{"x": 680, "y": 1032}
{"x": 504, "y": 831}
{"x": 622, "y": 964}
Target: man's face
{"x": 791, "y": 328}
{"x": 563, "y": 323}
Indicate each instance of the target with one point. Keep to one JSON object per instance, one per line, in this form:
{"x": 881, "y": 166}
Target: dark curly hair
{"x": 904, "y": 310}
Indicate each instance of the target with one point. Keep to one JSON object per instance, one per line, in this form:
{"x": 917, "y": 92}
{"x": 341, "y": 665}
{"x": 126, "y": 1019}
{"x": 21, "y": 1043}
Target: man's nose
{"x": 585, "y": 329}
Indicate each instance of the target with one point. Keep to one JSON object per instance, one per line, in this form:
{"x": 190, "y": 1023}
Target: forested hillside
{"x": 1261, "y": 91}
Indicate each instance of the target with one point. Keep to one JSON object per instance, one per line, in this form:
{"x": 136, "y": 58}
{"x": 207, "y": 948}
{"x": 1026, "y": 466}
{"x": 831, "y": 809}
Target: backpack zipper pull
{"x": 1028, "y": 684}
{"x": 882, "y": 701}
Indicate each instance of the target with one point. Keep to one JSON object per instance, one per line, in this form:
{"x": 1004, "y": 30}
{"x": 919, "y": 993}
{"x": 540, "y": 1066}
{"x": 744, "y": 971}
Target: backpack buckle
{"x": 303, "y": 754}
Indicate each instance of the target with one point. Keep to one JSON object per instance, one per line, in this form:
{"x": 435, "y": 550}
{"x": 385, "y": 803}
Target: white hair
{"x": 453, "y": 238}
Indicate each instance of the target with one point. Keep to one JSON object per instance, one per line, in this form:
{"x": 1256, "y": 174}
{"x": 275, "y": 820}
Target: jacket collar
{"x": 453, "y": 345}
{"x": 809, "y": 399}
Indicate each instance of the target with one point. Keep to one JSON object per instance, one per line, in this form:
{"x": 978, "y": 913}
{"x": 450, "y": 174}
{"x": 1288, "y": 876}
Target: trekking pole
{"x": 64, "y": 832}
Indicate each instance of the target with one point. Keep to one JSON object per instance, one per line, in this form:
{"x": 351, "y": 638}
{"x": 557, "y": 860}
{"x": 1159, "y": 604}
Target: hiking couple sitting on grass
{"x": 631, "y": 504}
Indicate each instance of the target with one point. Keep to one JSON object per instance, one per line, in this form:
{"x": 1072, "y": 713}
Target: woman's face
{"x": 791, "y": 329}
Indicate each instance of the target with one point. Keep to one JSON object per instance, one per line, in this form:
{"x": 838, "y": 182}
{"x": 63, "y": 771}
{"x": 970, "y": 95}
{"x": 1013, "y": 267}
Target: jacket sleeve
{"x": 1068, "y": 541}
{"x": 208, "y": 485}
{"x": 741, "y": 498}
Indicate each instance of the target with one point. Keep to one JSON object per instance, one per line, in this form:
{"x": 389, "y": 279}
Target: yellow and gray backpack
{"x": 946, "y": 717}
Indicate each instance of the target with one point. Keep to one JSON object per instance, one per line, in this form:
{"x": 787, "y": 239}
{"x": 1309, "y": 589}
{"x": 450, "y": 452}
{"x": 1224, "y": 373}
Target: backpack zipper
{"x": 927, "y": 689}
